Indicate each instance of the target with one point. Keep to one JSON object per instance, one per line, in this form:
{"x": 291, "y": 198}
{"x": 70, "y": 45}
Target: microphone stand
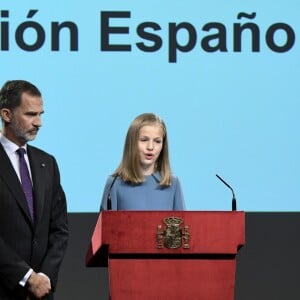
{"x": 233, "y": 204}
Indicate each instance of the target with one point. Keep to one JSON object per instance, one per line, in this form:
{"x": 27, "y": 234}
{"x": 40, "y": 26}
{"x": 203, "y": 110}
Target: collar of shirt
{"x": 9, "y": 146}
{"x": 10, "y": 149}
{"x": 156, "y": 175}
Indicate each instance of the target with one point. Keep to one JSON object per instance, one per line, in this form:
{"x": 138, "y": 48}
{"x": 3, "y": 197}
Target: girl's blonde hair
{"x": 129, "y": 169}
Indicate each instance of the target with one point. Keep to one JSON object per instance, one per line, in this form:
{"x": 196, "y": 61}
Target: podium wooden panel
{"x": 126, "y": 243}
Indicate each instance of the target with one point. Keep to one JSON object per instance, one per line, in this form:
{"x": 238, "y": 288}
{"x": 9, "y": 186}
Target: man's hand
{"x": 39, "y": 285}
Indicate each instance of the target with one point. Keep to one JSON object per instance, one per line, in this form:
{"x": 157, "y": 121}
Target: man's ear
{"x": 6, "y": 115}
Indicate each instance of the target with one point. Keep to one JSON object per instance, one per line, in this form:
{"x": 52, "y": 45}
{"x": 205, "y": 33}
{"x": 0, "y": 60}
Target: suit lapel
{"x": 37, "y": 166}
{"x": 9, "y": 176}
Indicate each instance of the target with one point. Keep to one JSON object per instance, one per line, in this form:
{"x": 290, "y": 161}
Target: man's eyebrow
{"x": 34, "y": 112}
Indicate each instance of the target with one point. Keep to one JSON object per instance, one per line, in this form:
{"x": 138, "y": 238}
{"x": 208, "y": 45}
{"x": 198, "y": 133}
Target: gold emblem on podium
{"x": 173, "y": 235}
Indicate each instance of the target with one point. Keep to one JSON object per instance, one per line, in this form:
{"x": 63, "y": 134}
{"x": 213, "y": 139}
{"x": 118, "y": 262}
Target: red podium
{"x": 168, "y": 255}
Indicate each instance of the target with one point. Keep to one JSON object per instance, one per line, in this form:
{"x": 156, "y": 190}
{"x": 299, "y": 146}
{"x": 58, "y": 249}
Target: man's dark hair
{"x": 11, "y": 93}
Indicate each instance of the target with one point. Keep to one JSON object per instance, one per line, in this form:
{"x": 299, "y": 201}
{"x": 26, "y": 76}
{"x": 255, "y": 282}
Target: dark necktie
{"x": 25, "y": 180}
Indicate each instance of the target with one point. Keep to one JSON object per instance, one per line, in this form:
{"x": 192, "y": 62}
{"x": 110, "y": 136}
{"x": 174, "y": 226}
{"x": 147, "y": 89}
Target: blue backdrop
{"x": 231, "y": 107}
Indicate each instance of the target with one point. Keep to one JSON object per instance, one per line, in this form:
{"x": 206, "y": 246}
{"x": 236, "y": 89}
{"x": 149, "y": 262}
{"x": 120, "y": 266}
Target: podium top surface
{"x": 137, "y": 232}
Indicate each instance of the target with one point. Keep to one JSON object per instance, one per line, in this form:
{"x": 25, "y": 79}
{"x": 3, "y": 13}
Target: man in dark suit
{"x": 33, "y": 217}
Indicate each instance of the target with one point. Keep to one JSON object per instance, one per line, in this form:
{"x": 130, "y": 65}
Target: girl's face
{"x": 150, "y": 143}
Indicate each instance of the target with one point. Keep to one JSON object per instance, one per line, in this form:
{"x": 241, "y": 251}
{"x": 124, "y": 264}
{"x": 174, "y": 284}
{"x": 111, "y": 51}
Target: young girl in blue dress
{"x": 143, "y": 180}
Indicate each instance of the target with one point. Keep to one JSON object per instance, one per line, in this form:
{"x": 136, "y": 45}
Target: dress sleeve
{"x": 105, "y": 193}
{"x": 179, "y": 203}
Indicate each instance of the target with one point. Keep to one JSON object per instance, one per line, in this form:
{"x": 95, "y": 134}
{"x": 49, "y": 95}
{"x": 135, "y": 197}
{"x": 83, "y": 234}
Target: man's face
{"x": 25, "y": 120}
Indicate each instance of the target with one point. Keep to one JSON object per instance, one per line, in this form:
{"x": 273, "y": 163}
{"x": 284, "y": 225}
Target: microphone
{"x": 233, "y": 196}
{"x": 108, "y": 196}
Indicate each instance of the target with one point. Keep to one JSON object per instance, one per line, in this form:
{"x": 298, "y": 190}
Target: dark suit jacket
{"x": 23, "y": 244}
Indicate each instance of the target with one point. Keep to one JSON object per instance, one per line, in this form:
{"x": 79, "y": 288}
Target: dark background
{"x": 268, "y": 266}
